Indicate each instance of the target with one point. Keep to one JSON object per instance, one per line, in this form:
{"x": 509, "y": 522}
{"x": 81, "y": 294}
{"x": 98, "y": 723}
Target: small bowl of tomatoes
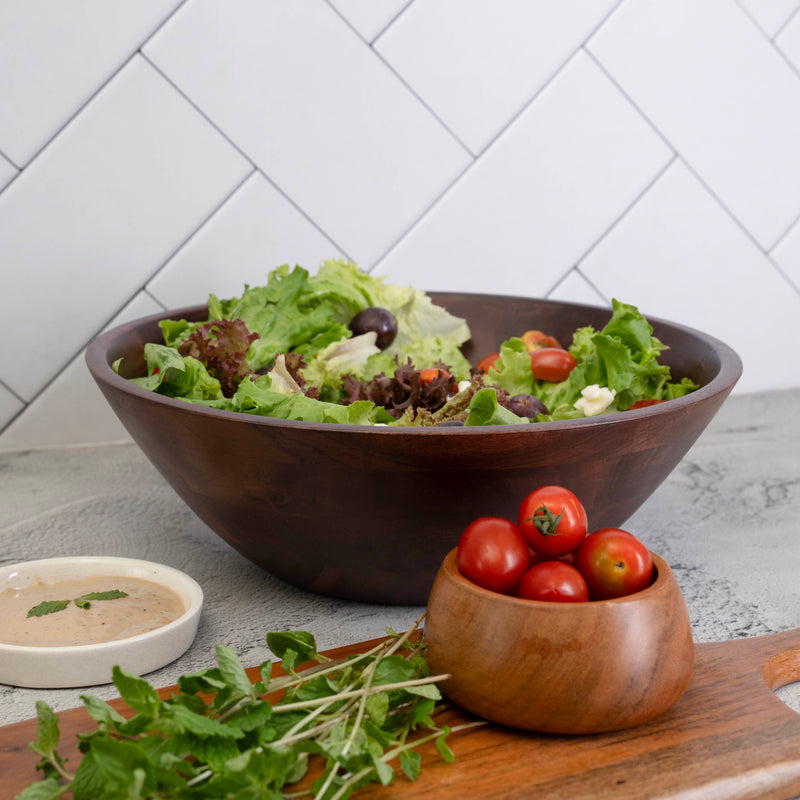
{"x": 591, "y": 636}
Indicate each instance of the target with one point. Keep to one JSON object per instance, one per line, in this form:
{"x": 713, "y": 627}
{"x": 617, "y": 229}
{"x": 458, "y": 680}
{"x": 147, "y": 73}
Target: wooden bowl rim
{"x": 661, "y": 584}
{"x": 99, "y": 364}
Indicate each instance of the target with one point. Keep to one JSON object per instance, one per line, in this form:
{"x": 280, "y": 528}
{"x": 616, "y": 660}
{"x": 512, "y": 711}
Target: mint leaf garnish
{"x": 48, "y": 607}
{"x": 85, "y": 600}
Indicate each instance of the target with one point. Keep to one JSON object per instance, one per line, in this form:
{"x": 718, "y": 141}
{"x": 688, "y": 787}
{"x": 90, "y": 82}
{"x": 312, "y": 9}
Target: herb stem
{"x": 384, "y": 687}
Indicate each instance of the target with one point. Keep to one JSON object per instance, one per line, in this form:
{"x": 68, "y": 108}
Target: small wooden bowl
{"x": 560, "y": 667}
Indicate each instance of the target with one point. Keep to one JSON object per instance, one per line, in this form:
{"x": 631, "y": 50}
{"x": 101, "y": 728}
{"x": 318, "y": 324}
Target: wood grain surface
{"x": 728, "y": 738}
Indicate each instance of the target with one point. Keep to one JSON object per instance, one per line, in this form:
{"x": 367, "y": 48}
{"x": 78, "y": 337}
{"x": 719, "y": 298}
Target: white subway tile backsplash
{"x": 476, "y": 64}
{"x": 10, "y": 406}
{"x": 720, "y": 93}
{"x": 671, "y": 257}
{"x": 788, "y": 41}
{"x": 787, "y": 256}
{"x": 542, "y": 194}
{"x": 771, "y": 15}
{"x": 369, "y": 17}
{"x": 7, "y": 172}
{"x": 576, "y": 289}
{"x": 72, "y": 410}
{"x": 329, "y": 123}
{"x": 257, "y": 229}
{"x": 88, "y": 223}
{"x": 54, "y": 56}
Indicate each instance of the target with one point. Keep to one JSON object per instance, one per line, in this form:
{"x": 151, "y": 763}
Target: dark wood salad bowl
{"x": 368, "y": 513}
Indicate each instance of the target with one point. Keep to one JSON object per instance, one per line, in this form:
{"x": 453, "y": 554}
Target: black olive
{"x": 375, "y": 319}
{"x": 526, "y": 405}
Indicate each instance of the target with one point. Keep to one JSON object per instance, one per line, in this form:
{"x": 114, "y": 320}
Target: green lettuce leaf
{"x": 623, "y": 356}
{"x": 485, "y": 410}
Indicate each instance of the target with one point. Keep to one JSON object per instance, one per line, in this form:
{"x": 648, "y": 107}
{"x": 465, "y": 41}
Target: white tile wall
{"x": 477, "y": 64}
{"x": 369, "y": 17}
{"x": 54, "y": 56}
{"x": 721, "y": 94}
{"x": 153, "y": 151}
{"x": 325, "y": 119}
{"x": 542, "y": 194}
{"x": 7, "y": 172}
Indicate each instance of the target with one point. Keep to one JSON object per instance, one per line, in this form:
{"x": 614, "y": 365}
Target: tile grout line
{"x": 508, "y": 124}
{"x": 103, "y": 84}
{"x": 392, "y": 21}
{"x": 476, "y": 158}
{"x": 615, "y": 223}
{"x": 765, "y": 250}
{"x": 244, "y": 155}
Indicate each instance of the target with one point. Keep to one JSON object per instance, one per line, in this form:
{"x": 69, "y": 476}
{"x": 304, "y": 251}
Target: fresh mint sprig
{"x": 222, "y": 736}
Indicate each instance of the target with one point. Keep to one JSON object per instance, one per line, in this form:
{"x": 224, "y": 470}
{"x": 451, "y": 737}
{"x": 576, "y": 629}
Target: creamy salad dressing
{"x": 148, "y": 606}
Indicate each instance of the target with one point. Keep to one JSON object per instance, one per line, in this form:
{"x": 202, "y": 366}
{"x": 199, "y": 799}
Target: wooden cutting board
{"x": 729, "y": 738}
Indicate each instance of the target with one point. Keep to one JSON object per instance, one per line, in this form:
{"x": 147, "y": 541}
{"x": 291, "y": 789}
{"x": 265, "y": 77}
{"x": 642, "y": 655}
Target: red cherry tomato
{"x": 485, "y": 364}
{"x": 431, "y": 374}
{"x": 554, "y": 581}
{"x": 614, "y": 563}
{"x": 492, "y": 553}
{"x": 536, "y": 340}
{"x": 644, "y": 404}
{"x": 552, "y": 520}
{"x": 551, "y": 364}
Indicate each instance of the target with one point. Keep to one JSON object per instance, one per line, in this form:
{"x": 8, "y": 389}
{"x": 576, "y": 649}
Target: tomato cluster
{"x": 548, "y": 554}
{"x": 549, "y": 360}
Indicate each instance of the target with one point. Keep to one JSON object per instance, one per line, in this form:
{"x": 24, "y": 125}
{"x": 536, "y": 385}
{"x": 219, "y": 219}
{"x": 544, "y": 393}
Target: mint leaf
{"x": 410, "y": 763}
{"x": 48, "y": 607}
{"x": 428, "y": 690}
{"x": 136, "y": 692}
{"x": 47, "y": 734}
{"x": 48, "y": 789}
{"x": 444, "y": 749}
{"x": 85, "y": 600}
{"x": 101, "y": 712}
{"x": 393, "y": 669}
{"x": 232, "y": 671}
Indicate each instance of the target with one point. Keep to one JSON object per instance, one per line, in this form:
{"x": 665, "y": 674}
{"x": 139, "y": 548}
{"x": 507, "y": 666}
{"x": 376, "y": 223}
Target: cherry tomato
{"x": 485, "y": 364}
{"x": 552, "y": 520}
{"x": 536, "y": 340}
{"x": 644, "y": 403}
{"x": 551, "y": 364}
{"x": 492, "y": 553}
{"x": 431, "y": 374}
{"x": 614, "y": 563}
{"x": 554, "y": 581}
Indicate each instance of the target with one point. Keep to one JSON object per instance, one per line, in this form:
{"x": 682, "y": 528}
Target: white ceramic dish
{"x": 91, "y": 664}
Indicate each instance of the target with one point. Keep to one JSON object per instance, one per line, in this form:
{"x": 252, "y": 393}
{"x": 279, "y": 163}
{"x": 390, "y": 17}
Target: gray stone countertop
{"x": 727, "y": 520}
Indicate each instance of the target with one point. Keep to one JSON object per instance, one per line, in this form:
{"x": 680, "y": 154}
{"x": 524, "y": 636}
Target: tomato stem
{"x": 546, "y": 521}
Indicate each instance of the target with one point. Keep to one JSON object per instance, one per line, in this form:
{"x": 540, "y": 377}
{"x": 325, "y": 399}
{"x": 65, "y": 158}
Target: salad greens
{"x": 338, "y": 724}
{"x": 285, "y": 350}
{"x": 623, "y": 357}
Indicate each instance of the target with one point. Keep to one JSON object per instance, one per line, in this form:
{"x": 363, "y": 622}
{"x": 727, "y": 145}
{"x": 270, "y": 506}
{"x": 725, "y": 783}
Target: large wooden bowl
{"x": 368, "y": 513}
{"x": 560, "y": 667}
